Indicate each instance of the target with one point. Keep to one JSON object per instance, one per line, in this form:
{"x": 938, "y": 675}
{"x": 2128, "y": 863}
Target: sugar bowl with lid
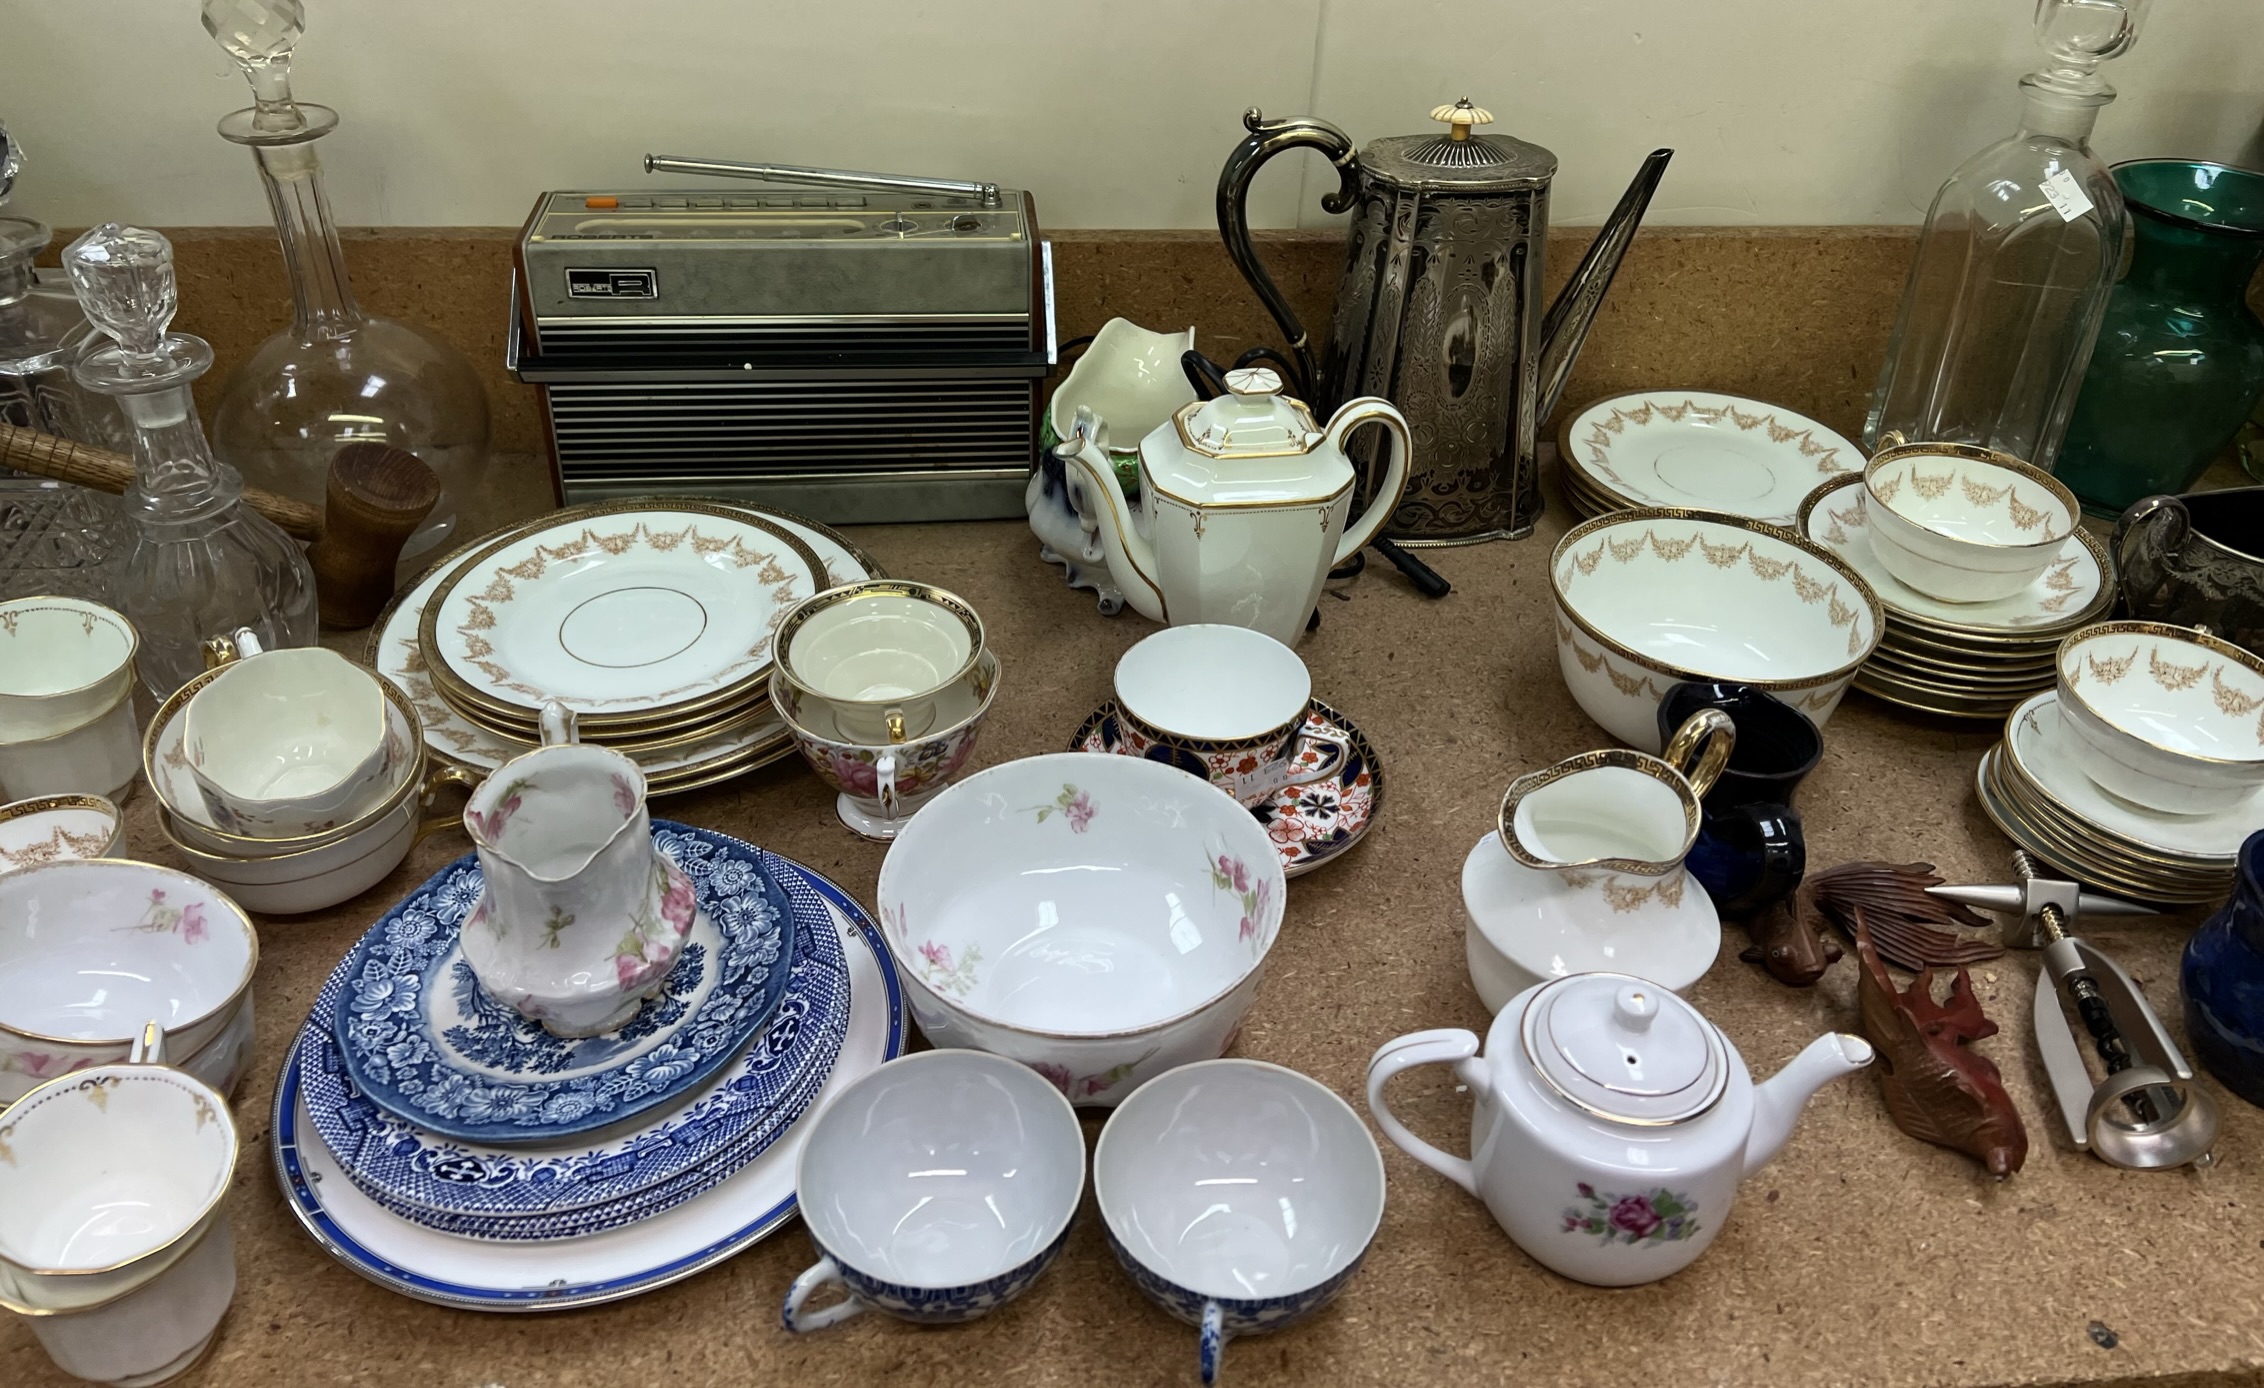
{"x": 1613, "y": 1121}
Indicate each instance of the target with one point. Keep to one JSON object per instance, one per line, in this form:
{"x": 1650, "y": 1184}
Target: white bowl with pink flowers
{"x": 1099, "y": 918}
{"x": 93, "y": 948}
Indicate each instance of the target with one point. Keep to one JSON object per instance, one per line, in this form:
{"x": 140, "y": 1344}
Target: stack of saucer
{"x": 443, "y": 1146}
{"x": 653, "y": 620}
{"x": 1698, "y": 449}
{"x": 1963, "y": 659}
{"x": 2143, "y": 771}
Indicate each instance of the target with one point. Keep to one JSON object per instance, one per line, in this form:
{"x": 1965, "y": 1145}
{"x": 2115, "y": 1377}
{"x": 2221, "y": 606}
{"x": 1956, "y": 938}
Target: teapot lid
{"x": 1625, "y": 1049}
{"x": 1459, "y": 161}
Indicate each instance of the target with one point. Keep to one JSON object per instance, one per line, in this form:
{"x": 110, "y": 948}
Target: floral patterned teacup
{"x": 92, "y": 948}
{"x": 581, "y": 918}
{"x": 1225, "y": 703}
{"x": 880, "y": 785}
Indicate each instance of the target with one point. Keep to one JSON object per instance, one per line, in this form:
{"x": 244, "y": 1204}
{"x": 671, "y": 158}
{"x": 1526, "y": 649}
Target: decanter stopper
{"x": 259, "y": 35}
{"x": 2078, "y": 35}
{"x": 124, "y": 279}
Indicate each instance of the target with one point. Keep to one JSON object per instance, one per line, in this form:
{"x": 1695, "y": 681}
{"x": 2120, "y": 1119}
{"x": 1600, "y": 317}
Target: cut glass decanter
{"x": 55, "y": 538}
{"x": 201, "y": 563}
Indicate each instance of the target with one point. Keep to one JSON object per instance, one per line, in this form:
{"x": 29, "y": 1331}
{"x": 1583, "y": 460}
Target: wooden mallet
{"x": 377, "y": 496}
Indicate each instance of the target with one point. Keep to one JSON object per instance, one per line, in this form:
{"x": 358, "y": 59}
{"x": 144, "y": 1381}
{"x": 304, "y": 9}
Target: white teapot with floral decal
{"x": 1245, "y": 505}
{"x": 1613, "y": 1121}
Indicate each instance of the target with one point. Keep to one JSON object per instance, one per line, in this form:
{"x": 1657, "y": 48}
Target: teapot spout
{"x": 1093, "y": 488}
{"x": 1574, "y": 312}
{"x": 1777, "y": 1103}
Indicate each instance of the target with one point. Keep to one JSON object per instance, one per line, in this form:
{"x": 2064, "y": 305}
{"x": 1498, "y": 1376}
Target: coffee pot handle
{"x": 1361, "y": 529}
{"x": 1265, "y": 140}
{"x": 1444, "y": 1046}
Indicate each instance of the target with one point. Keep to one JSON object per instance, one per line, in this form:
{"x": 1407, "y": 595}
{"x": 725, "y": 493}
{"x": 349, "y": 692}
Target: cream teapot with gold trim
{"x": 1245, "y": 505}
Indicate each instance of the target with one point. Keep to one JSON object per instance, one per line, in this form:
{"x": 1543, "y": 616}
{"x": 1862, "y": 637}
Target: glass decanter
{"x": 336, "y": 375}
{"x": 2019, "y": 251}
{"x": 55, "y": 538}
{"x": 202, "y": 563}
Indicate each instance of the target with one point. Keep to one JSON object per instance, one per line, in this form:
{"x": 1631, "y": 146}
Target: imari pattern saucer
{"x": 1310, "y": 824}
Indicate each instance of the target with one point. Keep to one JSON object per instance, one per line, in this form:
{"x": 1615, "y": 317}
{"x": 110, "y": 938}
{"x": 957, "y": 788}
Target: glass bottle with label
{"x": 2019, "y": 251}
{"x": 55, "y": 538}
{"x": 335, "y": 375}
{"x": 202, "y": 564}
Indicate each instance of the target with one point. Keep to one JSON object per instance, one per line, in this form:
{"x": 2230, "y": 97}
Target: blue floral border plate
{"x": 420, "y": 1039}
{"x": 570, "y": 1189}
{"x": 434, "y": 1267}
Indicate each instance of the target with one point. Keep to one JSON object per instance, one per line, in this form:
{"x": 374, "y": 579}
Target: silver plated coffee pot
{"x": 1439, "y": 310}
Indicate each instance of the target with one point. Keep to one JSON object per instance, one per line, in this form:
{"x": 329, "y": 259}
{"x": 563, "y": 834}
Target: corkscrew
{"x": 2146, "y": 1113}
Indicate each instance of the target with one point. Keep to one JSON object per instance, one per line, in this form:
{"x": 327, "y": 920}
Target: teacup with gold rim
{"x": 114, "y": 1237}
{"x": 1225, "y": 703}
{"x": 879, "y": 655}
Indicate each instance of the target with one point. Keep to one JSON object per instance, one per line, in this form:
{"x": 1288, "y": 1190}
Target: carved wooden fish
{"x": 1905, "y": 919}
{"x": 1938, "y": 1089}
{"x": 1788, "y": 947}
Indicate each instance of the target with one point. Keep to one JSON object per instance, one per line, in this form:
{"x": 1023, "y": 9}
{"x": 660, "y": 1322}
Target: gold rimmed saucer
{"x": 392, "y": 649}
{"x": 718, "y": 594}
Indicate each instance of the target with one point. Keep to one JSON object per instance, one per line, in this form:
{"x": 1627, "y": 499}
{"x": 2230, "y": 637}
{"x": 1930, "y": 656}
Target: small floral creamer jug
{"x": 581, "y": 917}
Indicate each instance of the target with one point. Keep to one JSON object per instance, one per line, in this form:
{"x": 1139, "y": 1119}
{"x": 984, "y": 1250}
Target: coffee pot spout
{"x": 1778, "y": 1102}
{"x": 1574, "y": 312}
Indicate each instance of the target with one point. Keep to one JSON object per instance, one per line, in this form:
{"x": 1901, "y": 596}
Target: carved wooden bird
{"x": 1938, "y": 1089}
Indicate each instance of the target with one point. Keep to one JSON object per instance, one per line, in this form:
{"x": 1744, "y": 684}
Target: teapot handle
{"x": 2160, "y": 522}
{"x": 1361, "y": 529}
{"x": 1445, "y": 1046}
{"x": 1267, "y": 139}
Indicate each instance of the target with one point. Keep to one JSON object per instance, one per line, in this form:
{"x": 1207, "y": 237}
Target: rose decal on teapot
{"x": 1662, "y": 1216}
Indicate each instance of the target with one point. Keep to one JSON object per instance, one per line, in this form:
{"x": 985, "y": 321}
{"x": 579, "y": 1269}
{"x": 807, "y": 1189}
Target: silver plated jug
{"x": 1439, "y": 310}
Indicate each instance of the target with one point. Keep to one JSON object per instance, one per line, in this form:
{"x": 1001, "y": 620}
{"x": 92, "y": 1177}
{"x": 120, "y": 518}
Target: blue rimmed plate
{"x": 436, "y": 1267}
{"x": 420, "y": 1040}
{"x": 569, "y": 1189}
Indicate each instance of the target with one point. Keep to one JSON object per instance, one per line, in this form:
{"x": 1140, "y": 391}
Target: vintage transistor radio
{"x": 856, "y": 347}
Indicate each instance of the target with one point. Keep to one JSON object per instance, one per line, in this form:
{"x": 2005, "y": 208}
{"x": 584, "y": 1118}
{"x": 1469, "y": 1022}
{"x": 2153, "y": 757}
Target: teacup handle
{"x": 440, "y": 779}
{"x": 1334, "y": 749}
{"x": 1210, "y": 1342}
{"x": 149, "y": 1047}
{"x": 1444, "y": 1046}
{"x": 895, "y": 717}
{"x": 823, "y": 1273}
{"x": 884, "y": 778}
{"x": 1700, "y": 748}
{"x": 240, "y": 644}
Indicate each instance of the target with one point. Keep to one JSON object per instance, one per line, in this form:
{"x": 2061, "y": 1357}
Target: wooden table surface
{"x": 1858, "y": 1256}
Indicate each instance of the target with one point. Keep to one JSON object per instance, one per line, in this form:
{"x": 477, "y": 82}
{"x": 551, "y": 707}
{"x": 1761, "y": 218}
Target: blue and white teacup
{"x": 937, "y": 1189}
{"x": 1240, "y": 1196}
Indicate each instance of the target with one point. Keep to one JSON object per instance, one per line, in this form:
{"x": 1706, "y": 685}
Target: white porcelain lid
{"x": 1625, "y": 1049}
{"x": 1251, "y": 447}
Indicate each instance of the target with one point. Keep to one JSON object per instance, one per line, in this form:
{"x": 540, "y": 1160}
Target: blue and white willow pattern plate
{"x": 422, "y": 1041}
{"x": 668, "y": 1247}
{"x": 464, "y": 1188}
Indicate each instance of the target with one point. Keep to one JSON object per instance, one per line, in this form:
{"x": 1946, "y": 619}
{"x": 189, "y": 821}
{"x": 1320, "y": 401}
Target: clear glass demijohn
{"x": 2019, "y": 251}
{"x": 200, "y": 563}
{"x": 336, "y": 375}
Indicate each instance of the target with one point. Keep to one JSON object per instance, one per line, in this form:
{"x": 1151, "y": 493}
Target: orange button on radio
{"x": 601, "y": 201}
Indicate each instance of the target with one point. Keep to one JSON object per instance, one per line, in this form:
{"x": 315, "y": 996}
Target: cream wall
{"x": 1116, "y": 113}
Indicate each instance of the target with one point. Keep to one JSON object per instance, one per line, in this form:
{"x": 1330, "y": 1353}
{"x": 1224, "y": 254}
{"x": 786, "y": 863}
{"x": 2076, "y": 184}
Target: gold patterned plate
{"x": 642, "y": 613}
{"x": 393, "y": 651}
{"x": 1695, "y": 448}
{"x": 2076, "y": 588}
{"x": 2000, "y": 800}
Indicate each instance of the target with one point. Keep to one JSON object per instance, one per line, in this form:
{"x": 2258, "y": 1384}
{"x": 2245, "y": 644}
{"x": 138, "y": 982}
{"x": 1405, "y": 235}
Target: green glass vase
{"x": 2180, "y": 358}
